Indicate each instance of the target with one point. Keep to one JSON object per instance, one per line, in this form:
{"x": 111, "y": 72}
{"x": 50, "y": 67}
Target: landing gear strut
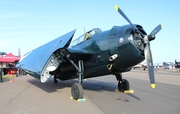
{"x": 77, "y": 89}
{"x": 55, "y": 79}
{"x": 123, "y": 84}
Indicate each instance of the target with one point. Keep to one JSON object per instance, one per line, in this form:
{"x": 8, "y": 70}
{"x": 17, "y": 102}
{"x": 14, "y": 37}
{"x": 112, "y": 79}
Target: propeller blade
{"x": 151, "y": 36}
{"x": 156, "y": 30}
{"x": 127, "y": 19}
{"x": 147, "y": 50}
{"x": 150, "y": 67}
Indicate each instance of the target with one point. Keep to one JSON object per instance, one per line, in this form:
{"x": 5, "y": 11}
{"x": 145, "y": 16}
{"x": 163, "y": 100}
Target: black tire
{"x": 122, "y": 86}
{"x": 77, "y": 91}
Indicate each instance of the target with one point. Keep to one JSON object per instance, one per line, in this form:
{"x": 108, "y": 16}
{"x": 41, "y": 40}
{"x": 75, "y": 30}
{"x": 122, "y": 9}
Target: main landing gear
{"x": 123, "y": 84}
{"x": 77, "y": 89}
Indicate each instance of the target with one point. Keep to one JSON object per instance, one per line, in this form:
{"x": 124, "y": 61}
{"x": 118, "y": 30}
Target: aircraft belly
{"x": 97, "y": 71}
{"x": 69, "y": 72}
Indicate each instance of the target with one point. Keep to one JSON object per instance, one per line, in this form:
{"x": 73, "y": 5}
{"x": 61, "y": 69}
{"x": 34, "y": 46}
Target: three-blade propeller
{"x": 147, "y": 50}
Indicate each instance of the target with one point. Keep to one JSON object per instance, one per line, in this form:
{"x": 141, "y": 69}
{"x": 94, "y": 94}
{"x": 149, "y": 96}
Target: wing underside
{"x": 41, "y": 60}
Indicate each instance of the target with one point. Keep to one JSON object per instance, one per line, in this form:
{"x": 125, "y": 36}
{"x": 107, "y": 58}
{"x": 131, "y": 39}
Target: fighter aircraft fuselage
{"x": 97, "y": 50}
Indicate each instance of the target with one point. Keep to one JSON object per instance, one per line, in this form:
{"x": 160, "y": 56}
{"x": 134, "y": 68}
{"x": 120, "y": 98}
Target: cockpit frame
{"x": 86, "y": 36}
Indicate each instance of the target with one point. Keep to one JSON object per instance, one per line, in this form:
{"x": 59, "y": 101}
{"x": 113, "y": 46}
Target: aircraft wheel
{"x": 77, "y": 91}
{"x": 122, "y": 86}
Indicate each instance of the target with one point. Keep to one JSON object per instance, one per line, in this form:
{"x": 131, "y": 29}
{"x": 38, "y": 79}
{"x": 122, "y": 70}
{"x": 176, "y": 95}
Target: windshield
{"x": 86, "y": 36}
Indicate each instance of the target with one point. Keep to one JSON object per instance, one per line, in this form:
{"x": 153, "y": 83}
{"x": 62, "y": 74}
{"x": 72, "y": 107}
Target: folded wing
{"x": 37, "y": 62}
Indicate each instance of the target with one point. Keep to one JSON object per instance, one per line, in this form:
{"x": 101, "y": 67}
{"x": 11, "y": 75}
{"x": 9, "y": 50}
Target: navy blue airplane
{"x": 95, "y": 53}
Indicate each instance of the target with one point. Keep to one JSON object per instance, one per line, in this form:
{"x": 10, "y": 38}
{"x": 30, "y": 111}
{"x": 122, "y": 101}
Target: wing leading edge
{"x": 35, "y": 62}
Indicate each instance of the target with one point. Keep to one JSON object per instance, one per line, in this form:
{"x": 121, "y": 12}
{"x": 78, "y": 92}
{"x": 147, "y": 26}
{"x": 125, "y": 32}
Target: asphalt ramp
{"x": 27, "y": 95}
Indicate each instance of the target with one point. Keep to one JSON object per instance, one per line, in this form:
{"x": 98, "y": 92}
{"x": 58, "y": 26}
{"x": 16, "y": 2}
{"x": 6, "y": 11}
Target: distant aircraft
{"x": 144, "y": 66}
{"x": 177, "y": 66}
{"x": 95, "y": 53}
{"x": 157, "y": 66}
{"x": 168, "y": 65}
{"x": 137, "y": 66}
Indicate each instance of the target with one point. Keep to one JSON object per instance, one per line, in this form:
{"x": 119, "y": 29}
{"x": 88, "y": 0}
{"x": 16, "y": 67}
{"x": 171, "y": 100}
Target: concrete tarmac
{"x": 28, "y": 96}
{"x": 164, "y": 99}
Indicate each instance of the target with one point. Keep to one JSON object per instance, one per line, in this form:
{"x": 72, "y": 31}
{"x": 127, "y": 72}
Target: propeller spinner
{"x": 147, "y": 50}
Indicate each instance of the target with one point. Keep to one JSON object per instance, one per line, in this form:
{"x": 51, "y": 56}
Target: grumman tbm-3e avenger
{"x": 95, "y": 53}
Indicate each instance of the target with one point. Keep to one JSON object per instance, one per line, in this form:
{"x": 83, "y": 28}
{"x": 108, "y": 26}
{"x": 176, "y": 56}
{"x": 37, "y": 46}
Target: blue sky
{"x": 29, "y": 24}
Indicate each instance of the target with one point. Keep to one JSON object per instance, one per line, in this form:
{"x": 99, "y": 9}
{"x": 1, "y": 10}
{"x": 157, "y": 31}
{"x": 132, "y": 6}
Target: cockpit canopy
{"x": 86, "y": 36}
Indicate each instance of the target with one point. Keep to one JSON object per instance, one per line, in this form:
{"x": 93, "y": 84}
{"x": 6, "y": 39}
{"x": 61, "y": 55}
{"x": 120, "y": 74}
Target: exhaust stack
{"x": 113, "y": 57}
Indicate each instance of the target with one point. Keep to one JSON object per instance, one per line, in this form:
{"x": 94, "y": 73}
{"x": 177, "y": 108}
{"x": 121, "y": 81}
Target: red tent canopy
{"x": 9, "y": 58}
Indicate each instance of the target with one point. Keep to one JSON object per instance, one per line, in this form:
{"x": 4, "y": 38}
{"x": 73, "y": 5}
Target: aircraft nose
{"x": 139, "y": 43}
